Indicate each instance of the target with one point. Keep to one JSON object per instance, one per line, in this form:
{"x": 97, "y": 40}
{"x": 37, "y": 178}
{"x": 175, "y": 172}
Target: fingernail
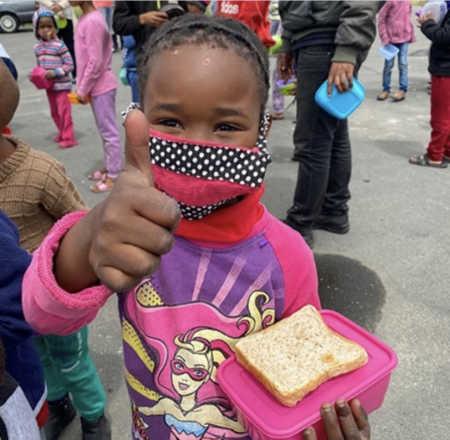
{"x": 326, "y": 407}
{"x": 342, "y": 409}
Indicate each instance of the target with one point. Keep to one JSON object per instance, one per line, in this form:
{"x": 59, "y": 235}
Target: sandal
{"x": 399, "y": 96}
{"x": 383, "y": 96}
{"x": 104, "y": 185}
{"x": 277, "y": 116}
{"x": 422, "y": 160}
{"x": 98, "y": 175}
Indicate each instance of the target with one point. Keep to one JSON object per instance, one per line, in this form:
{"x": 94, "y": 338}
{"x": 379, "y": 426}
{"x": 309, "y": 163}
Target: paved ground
{"x": 390, "y": 273}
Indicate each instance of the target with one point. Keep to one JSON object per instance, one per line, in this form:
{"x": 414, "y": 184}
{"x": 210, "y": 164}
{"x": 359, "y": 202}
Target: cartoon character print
{"x": 188, "y": 399}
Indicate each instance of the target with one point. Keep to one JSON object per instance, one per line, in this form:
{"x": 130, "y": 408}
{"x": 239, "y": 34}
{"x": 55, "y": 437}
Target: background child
{"x": 233, "y": 268}
{"x": 34, "y": 193}
{"x": 93, "y": 51}
{"x": 438, "y": 151}
{"x": 52, "y": 54}
{"x": 130, "y": 65}
{"x": 395, "y": 27}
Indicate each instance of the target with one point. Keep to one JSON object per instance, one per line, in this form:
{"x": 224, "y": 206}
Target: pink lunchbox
{"x": 37, "y": 77}
{"x": 266, "y": 419}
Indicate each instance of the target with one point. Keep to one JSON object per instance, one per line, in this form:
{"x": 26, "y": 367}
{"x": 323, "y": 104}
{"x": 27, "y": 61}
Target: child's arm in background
{"x": 67, "y": 61}
{"x": 382, "y": 23}
{"x": 117, "y": 243}
{"x": 97, "y": 37}
{"x": 344, "y": 421}
{"x": 59, "y": 196}
{"x": 434, "y": 32}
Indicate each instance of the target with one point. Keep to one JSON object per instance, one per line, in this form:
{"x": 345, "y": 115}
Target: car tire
{"x": 9, "y": 23}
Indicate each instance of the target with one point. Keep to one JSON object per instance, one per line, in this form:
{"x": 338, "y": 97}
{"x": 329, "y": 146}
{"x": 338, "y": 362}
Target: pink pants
{"x": 61, "y": 112}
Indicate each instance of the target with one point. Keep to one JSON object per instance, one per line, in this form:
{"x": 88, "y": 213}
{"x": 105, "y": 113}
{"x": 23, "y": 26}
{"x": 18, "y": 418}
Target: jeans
{"x": 322, "y": 145}
{"x": 68, "y": 368}
{"x": 402, "y": 68}
{"x": 133, "y": 81}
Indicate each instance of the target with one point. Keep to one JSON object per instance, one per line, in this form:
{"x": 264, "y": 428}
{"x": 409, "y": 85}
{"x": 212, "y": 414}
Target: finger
{"x": 309, "y": 434}
{"x": 343, "y": 82}
{"x": 330, "y": 83}
{"x": 350, "y": 79}
{"x": 116, "y": 280}
{"x": 137, "y": 152}
{"x": 361, "y": 418}
{"x": 331, "y": 422}
{"x": 346, "y": 419}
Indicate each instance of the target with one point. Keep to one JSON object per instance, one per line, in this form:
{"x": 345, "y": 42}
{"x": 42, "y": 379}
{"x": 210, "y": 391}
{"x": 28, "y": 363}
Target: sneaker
{"x": 61, "y": 413}
{"x": 98, "y": 430}
{"x": 338, "y": 224}
{"x": 383, "y": 96}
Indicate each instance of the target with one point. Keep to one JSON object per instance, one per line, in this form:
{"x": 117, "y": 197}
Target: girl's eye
{"x": 173, "y": 123}
{"x": 227, "y": 127}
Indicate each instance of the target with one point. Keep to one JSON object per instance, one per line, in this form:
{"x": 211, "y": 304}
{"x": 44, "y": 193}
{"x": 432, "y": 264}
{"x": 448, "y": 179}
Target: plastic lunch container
{"x": 267, "y": 419}
{"x": 389, "y": 51}
{"x": 340, "y": 105}
{"x": 73, "y": 98}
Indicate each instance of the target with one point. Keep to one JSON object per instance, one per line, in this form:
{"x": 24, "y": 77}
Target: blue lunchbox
{"x": 340, "y": 105}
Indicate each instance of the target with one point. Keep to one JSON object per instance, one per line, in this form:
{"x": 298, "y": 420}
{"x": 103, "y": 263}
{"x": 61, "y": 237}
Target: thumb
{"x": 137, "y": 152}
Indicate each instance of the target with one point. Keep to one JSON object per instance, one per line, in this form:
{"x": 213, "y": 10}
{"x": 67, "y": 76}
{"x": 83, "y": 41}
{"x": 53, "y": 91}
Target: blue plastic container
{"x": 389, "y": 51}
{"x": 340, "y": 105}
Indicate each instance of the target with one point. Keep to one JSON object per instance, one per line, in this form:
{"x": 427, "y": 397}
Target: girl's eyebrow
{"x": 166, "y": 106}
{"x": 228, "y": 111}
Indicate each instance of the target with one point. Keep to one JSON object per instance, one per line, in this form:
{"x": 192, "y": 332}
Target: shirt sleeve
{"x": 436, "y": 33}
{"x": 95, "y": 35}
{"x": 67, "y": 62}
{"x": 47, "y": 307}
{"x": 297, "y": 263}
{"x": 125, "y": 21}
{"x": 59, "y": 196}
{"x": 382, "y": 25}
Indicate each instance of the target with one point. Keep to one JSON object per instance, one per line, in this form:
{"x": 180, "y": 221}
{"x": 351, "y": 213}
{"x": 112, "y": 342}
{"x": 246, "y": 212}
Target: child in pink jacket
{"x": 95, "y": 79}
{"x": 395, "y": 27}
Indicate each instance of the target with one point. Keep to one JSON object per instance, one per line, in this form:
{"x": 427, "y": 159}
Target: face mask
{"x": 203, "y": 177}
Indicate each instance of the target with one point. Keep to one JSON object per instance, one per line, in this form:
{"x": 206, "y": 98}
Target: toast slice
{"x": 297, "y": 354}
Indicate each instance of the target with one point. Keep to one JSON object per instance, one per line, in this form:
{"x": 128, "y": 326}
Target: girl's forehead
{"x": 45, "y": 21}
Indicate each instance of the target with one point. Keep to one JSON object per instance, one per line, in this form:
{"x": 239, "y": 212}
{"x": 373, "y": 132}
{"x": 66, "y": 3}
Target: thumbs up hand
{"x": 121, "y": 240}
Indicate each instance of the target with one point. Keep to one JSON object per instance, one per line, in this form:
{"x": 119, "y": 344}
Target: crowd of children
{"x": 196, "y": 259}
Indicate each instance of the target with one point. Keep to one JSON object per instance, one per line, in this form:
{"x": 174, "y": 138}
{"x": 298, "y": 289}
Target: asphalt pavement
{"x": 390, "y": 273}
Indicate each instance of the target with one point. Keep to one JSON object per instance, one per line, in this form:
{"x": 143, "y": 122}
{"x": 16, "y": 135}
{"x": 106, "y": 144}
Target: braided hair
{"x": 215, "y": 32}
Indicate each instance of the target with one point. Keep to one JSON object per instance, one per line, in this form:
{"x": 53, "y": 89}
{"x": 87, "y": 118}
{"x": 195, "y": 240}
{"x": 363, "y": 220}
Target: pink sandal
{"x": 104, "y": 185}
{"x": 98, "y": 175}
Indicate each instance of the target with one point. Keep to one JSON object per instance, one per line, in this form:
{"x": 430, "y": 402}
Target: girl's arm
{"x": 382, "y": 23}
{"x": 67, "y": 62}
{"x": 436, "y": 33}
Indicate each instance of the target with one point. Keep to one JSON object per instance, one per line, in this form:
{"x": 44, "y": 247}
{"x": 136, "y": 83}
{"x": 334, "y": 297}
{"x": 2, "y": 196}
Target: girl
{"x": 395, "y": 27}
{"x": 438, "y": 151}
{"x": 93, "y": 51}
{"x": 233, "y": 268}
{"x": 52, "y": 54}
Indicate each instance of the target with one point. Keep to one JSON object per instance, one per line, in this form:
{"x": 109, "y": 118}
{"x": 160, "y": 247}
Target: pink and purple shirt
{"x": 181, "y": 322}
{"x": 93, "y": 53}
{"x": 394, "y": 23}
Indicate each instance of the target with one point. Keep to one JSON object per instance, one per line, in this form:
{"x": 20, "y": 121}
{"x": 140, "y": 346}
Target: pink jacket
{"x": 93, "y": 53}
{"x": 394, "y": 23}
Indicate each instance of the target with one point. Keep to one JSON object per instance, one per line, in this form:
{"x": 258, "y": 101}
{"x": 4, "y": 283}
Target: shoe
{"x": 60, "y": 416}
{"x": 424, "y": 161}
{"x": 399, "y": 96}
{"x": 277, "y": 116}
{"x": 98, "y": 430}
{"x": 68, "y": 144}
{"x": 104, "y": 185}
{"x": 306, "y": 233}
{"x": 98, "y": 175}
{"x": 383, "y": 96}
{"x": 335, "y": 224}
{"x": 57, "y": 139}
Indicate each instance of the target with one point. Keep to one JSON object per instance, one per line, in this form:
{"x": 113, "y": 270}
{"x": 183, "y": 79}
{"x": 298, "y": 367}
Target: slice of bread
{"x": 297, "y": 354}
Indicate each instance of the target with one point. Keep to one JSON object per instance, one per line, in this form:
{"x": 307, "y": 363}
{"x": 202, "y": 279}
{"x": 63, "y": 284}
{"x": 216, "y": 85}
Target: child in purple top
{"x": 395, "y": 27}
{"x": 95, "y": 79}
{"x": 230, "y": 269}
{"x": 52, "y": 54}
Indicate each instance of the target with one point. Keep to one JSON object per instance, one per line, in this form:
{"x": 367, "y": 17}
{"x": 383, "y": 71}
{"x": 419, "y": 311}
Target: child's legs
{"x": 71, "y": 359}
{"x": 277, "y": 96}
{"x": 53, "y": 103}
{"x": 55, "y": 386}
{"x": 65, "y": 116}
{"x": 403, "y": 66}
{"x": 387, "y": 71}
{"x": 440, "y": 117}
{"x": 133, "y": 80}
{"x": 104, "y": 108}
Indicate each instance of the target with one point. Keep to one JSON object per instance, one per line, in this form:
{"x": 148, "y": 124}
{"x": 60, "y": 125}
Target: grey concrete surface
{"x": 390, "y": 272}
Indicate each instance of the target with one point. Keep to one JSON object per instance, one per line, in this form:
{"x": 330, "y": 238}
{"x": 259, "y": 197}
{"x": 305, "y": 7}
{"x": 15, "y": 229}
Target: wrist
{"x": 142, "y": 19}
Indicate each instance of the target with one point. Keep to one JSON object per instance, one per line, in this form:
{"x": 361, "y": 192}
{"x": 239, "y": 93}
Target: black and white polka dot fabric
{"x": 236, "y": 165}
{"x": 191, "y": 212}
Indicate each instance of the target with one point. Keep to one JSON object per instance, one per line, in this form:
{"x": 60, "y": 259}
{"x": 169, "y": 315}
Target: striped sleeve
{"x": 67, "y": 62}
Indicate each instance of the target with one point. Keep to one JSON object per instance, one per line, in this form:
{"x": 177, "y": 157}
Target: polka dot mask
{"x": 202, "y": 177}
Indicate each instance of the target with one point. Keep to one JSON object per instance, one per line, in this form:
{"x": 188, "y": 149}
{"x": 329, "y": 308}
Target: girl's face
{"x": 46, "y": 28}
{"x": 203, "y": 94}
